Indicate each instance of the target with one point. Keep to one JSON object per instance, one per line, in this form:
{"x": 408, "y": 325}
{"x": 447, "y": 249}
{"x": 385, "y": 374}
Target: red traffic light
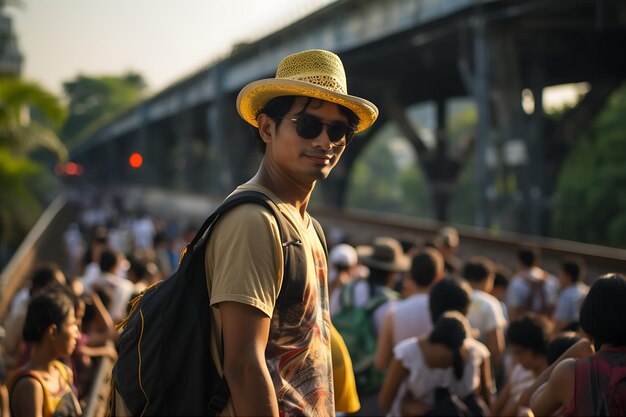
{"x": 135, "y": 160}
{"x": 70, "y": 169}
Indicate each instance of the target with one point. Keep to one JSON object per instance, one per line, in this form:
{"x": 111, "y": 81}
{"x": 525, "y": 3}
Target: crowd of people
{"x": 64, "y": 318}
{"x": 476, "y": 331}
{"x": 443, "y": 326}
{"x": 385, "y": 328}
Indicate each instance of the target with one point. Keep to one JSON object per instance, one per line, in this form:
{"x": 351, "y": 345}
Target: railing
{"x": 98, "y": 399}
{"x": 42, "y": 244}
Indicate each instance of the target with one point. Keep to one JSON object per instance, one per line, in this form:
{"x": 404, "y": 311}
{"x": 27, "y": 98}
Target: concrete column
{"x": 536, "y": 151}
{"x": 482, "y": 95}
{"x": 219, "y": 169}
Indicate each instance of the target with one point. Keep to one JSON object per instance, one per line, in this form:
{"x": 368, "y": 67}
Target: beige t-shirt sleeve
{"x": 244, "y": 258}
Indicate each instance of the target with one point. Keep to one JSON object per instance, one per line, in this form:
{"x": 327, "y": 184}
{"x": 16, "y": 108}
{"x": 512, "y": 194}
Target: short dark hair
{"x": 502, "y": 277}
{"x": 426, "y": 265}
{"x": 45, "y": 276}
{"x": 531, "y": 331}
{"x": 559, "y": 345}
{"x": 278, "y": 107}
{"x": 573, "y": 268}
{"x": 449, "y": 294}
{"x": 108, "y": 259}
{"x": 43, "y": 311}
{"x": 528, "y": 256}
{"x": 378, "y": 276}
{"x": 603, "y": 313}
{"x": 478, "y": 269}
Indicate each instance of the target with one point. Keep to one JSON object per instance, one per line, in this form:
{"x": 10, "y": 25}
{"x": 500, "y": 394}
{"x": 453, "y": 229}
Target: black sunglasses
{"x": 310, "y": 127}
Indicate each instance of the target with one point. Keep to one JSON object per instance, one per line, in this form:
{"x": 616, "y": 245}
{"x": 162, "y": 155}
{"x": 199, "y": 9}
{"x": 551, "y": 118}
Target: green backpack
{"x": 356, "y": 326}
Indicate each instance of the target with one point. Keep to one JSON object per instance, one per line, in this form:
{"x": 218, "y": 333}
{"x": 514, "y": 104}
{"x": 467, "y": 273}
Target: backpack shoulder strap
{"x": 380, "y": 299}
{"x": 320, "y": 234}
{"x": 221, "y": 393}
{"x": 536, "y": 290}
{"x": 243, "y": 197}
{"x": 346, "y": 296}
{"x": 617, "y": 390}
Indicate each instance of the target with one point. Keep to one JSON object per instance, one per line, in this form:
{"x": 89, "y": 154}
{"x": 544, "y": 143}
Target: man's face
{"x": 305, "y": 160}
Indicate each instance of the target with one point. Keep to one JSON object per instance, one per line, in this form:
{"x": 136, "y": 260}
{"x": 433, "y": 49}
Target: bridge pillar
{"x": 481, "y": 89}
{"x": 537, "y": 153}
{"x": 220, "y": 174}
{"x": 179, "y": 125}
{"x": 519, "y": 136}
{"x": 141, "y": 146}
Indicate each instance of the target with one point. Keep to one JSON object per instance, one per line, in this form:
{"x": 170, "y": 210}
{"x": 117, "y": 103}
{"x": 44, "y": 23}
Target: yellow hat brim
{"x": 254, "y": 96}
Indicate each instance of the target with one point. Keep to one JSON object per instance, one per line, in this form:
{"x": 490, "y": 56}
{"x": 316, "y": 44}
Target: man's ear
{"x": 266, "y": 127}
{"x": 52, "y": 329}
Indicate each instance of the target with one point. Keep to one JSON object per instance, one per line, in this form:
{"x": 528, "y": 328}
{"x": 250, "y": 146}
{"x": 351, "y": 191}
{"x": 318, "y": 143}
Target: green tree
{"x": 95, "y": 100}
{"x": 29, "y": 116}
{"x": 590, "y": 204}
{"x": 373, "y": 180}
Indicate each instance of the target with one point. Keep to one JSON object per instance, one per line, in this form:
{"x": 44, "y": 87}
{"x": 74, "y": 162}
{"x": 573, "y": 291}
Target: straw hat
{"x": 386, "y": 254}
{"x": 313, "y": 73}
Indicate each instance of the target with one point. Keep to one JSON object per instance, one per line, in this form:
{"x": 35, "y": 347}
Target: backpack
{"x": 616, "y": 398}
{"x": 537, "y": 291}
{"x": 356, "y": 326}
{"x": 164, "y": 365}
{"x": 604, "y": 387}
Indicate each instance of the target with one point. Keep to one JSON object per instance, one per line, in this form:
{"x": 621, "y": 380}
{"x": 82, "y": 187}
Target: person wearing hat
{"x": 410, "y": 317}
{"x": 342, "y": 263}
{"x": 385, "y": 259}
{"x": 276, "y": 352}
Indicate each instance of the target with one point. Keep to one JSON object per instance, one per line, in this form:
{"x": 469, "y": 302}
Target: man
{"x": 532, "y": 288}
{"x": 411, "y": 316}
{"x": 117, "y": 288}
{"x": 385, "y": 259}
{"x": 276, "y": 351}
{"x": 485, "y": 312}
{"x": 573, "y": 293}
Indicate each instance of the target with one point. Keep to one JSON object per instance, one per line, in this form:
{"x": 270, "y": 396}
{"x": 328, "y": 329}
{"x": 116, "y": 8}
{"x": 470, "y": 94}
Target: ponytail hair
{"x": 450, "y": 330}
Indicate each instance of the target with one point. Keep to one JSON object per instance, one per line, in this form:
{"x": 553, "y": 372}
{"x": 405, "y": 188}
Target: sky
{"x": 163, "y": 40}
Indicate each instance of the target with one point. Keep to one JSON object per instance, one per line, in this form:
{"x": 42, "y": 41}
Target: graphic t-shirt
{"x": 244, "y": 264}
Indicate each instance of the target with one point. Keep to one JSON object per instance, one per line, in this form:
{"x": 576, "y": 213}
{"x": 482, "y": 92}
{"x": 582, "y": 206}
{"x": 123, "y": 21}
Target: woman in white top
{"x": 448, "y": 357}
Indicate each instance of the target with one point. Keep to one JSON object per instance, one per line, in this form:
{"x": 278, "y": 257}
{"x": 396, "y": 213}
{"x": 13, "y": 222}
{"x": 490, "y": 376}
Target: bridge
{"x": 397, "y": 53}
